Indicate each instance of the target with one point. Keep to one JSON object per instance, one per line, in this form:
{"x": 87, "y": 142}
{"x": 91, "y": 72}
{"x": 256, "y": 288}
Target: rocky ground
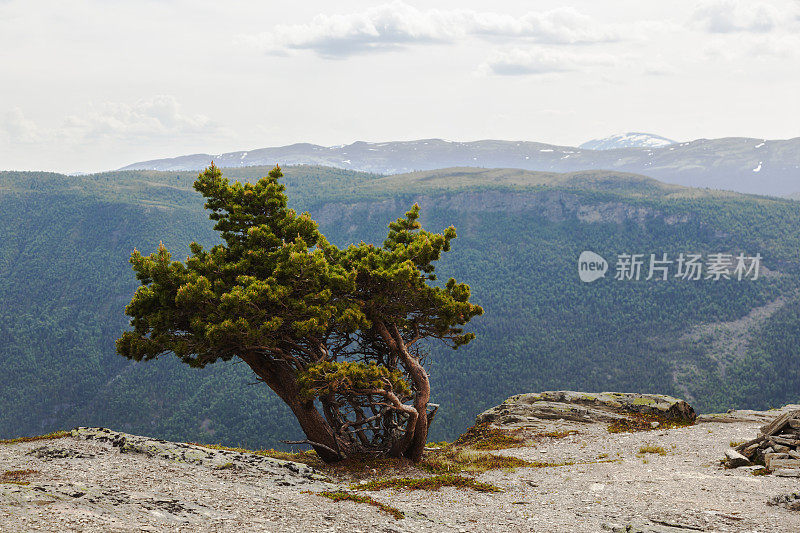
{"x": 99, "y": 480}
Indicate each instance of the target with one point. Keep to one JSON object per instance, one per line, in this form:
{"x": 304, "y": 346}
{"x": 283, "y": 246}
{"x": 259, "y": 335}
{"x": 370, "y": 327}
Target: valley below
{"x": 65, "y": 280}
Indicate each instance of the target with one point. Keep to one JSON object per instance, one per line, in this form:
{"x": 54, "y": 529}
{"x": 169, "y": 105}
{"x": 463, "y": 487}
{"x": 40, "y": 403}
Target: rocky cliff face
{"x": 555, "y": 206}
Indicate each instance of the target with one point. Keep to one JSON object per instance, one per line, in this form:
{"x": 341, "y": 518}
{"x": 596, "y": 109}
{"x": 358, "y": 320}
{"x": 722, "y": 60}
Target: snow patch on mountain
{"x": 628, "y": 140}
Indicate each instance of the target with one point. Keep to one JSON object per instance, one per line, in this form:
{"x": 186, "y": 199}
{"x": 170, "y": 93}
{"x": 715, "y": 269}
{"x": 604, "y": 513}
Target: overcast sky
{"x": 91, "y": 85}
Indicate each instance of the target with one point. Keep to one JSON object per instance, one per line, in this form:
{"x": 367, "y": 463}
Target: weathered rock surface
{"x": 54, "y": 452}
{"x": 641, "y": 527}
{"x": 284, "y": 473}
{"x": 105, "y": 481}
{"x": 530, "y": 409}
{"x": 789, "y": 501}
{"x": 746, "y": 415}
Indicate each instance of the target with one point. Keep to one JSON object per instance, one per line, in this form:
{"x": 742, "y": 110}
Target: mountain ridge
{"x": 742, "y": 164}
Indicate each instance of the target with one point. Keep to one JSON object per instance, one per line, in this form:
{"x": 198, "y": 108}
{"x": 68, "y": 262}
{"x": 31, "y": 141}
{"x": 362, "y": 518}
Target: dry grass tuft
{"x": 641, "y": 422}
{"x": 429, "y": 483}
{"x": 339, "y": 496}
{"x": 482, "y": 437}
{"x": 554, "y": 434}
{"x": 466, "y": 460}
{"x": 16, "y": 477}
{"x": 49, "y": 436}
{"x": 652, "y": 449}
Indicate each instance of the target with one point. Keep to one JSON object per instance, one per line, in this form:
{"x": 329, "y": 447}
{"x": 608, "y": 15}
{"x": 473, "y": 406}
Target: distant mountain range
{"x": 627, "y": 140}
{"x": 769, "y": 167}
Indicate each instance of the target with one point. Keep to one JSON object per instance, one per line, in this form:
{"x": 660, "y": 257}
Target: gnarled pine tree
{"x": 333, "y": 332}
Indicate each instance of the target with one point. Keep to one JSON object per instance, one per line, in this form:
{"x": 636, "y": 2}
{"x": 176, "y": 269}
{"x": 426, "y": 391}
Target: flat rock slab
{"x": 746, "y": 415}
{"x": 283, "y": 473}
{"x": 528, "y": 409}
{"x": 107, "y": 501}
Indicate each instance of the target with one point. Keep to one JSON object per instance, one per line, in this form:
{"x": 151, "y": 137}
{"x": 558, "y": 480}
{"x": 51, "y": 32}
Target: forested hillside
{"x": 64, "y": 282}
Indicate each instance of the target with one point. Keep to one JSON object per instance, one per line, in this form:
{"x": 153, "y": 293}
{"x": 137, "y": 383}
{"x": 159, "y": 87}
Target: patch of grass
{"x": 467, "y": 460}
{"x": 339, "y": 496}
{"x": 652, "y": 449}
{"x": 49, "y": 436}
{"x": 555, "y": 434}
{"x": 482, "y": 437}
{"x": 735, "y": 443}
{"x": 225, "y": 466}
{"x": 429, "y": 483}
{"x": 16, "y": 477}
{"x": 643, "y": 422}
{"x": 543, "y": 464}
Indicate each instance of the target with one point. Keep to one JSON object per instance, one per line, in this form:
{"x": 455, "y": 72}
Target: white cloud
{"x": 728, "y": 16}
{"x": 777, "y": 47}
{"x": 156, "y": 116}
{"x": 520, "y": 62}
{"x": 18, "y": 128}
{"x": 397, "y": 24}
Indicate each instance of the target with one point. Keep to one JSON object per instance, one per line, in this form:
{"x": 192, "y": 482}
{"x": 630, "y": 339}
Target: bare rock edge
{"x": 103, "y": 480}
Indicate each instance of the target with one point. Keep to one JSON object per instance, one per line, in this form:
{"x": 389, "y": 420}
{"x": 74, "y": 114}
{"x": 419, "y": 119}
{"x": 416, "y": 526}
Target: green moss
{"x": 340, "y": 496}
{"x": 429, "y": 483}
{"x": 644, "y": 401}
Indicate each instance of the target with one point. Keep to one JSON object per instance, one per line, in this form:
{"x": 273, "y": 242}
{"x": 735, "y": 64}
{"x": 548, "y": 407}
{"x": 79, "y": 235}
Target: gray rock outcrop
{"x": 284, "y": 473}
{"x": 604, "y": 407}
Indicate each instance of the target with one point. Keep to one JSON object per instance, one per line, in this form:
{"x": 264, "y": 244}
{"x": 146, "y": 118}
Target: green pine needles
{"x": 333, "y": 332}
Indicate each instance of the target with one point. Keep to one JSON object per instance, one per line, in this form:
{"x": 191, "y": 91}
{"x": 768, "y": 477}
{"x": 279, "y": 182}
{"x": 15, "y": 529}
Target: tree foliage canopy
{"x": 322, "y": 326}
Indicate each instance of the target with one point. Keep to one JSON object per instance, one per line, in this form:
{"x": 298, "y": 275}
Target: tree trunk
{"x": 283, "y": 382}
{"x": 422, "y": 389}
{"x": 421, "y": 382}
{"x": 317, "y": 430}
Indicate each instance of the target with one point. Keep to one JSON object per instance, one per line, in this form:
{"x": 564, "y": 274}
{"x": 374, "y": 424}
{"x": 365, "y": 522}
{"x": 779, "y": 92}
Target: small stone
{"x": 734, "y": 459}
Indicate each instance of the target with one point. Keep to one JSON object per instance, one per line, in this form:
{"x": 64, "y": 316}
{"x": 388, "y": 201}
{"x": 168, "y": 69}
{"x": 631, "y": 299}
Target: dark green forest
{"x": 65, "y": 280}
